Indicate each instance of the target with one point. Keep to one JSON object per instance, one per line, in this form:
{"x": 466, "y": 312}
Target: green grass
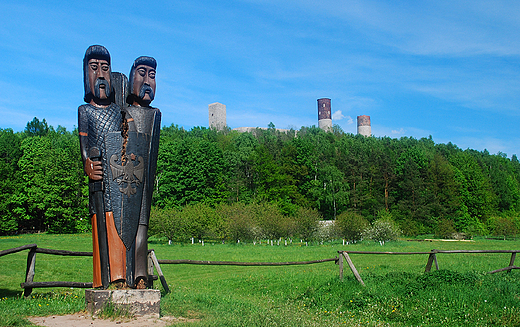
{"x": 398, "y": 293}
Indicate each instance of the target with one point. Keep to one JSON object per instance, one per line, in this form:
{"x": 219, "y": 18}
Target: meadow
{"x": 397, "y": 292}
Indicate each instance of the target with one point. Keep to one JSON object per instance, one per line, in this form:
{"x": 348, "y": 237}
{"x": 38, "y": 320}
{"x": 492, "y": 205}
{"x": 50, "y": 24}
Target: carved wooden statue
{"x": 145, "y": 122}
{"x": 119, "y": 150}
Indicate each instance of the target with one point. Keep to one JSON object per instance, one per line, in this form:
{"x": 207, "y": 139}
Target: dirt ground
{"x": 86, "y": 320}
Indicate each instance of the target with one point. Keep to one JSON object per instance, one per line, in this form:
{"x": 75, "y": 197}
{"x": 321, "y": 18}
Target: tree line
{"x": 423, "y": 186}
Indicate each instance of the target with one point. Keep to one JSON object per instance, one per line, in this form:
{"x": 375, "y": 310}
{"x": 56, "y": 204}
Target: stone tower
{"x": 217, "y": 116}
{"x": 363, "y": 125}
{"x": 324, "y": 114}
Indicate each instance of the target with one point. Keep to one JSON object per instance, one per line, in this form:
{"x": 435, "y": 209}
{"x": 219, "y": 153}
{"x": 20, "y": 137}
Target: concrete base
{"x": 136, "y": 302}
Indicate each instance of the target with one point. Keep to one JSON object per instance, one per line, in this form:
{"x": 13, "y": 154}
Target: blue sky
{"x": 449, "y": 69}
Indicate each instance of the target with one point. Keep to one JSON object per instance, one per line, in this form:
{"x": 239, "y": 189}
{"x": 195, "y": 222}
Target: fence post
{"x": 512, "y": 261}
{"x": 354, "y": 270}
{"x": 30, "y": 270}
{"x": 150, "y": 269}
{"x": 340, "y": 265}
{"x": 159, "y": 272}
{"x": 431, "y": 259}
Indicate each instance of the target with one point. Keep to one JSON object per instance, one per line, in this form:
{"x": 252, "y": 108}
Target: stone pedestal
{"x": 135, "y": 302}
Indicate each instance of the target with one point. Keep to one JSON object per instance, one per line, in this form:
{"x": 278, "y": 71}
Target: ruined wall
{"x": 363, "y": 125}
{"x": 217, "y": 116}
{"x": 324, "y": 114}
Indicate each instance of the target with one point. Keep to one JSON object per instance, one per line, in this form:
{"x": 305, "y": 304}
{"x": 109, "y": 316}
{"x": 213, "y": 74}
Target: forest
{"x": 420, "y": 185}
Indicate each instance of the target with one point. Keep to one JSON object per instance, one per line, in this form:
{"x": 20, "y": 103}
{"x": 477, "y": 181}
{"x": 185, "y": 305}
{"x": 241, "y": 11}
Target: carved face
{"x": 99, "y": 78}
{"x": 144, "y": 83}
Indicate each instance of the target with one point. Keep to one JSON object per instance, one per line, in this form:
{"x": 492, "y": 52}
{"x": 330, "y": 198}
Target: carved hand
{"x": 94, "y": 169}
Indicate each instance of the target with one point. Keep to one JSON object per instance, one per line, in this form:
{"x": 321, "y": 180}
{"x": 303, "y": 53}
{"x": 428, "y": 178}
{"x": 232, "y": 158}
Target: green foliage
{"x": 36, "y": 128}
{"x": 504, "y": 226}
{"x": 383, "y": 229}
{"x": 271, "y": 222}
{"x": 189, "y": 170}
{"x": 10, "y": 153}
{"x": 168, "y": 222}
{"x": 200, "y": 221}
{"x": 43, "y": 185}
{"x": 238, "y": 221}
{"x": 351, "y": 225}
{"x": 54, "y": 188}
{"x": 445, "y": 229}
{"x": 306, "y": 223}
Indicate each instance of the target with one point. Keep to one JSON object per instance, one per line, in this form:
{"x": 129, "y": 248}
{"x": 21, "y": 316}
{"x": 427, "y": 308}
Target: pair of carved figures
{"x": 119, "y": 138}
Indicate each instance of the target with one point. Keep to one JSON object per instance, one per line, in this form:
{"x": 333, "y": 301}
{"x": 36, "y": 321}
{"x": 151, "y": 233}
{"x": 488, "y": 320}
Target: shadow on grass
{"x": 7, "y": 293}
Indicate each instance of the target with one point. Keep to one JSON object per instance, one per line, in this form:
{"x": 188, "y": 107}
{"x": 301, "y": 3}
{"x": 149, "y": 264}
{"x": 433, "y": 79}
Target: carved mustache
{"x": 144, "y": 88}
{"x": 97, "y": 89}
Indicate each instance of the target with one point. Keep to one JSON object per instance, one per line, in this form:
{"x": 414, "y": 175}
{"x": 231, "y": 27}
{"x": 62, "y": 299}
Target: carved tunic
{"x": 95, "y": 123}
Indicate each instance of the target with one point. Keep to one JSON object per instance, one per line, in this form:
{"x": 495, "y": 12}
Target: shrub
{"x": 167, "y": 223}
{"x": 351, "y": 225}
{"x": 409, "y": 227}
{"x": 445, "y": 228}
{"x": 306, "y": 223}
{"x": 237, "y": 221}
{"x": 200, "y": 220}
{"x": 272, "y": 223}
{"x": 503, "y": 226}
{"x": 382, "y": 230}
{"x": 326, "y": 231}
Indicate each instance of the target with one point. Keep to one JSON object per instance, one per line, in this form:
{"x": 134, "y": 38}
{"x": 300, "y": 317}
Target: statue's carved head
{"x": 142, "y": 81}
{"x": 96, "y": 74}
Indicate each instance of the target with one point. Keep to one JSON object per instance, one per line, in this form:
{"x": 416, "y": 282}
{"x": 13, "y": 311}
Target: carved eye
{"x": 104, "y": 67}
{"x": 94, "y": 66}
{"x": 151, "y": 74}
{"x": 141, "y": 71}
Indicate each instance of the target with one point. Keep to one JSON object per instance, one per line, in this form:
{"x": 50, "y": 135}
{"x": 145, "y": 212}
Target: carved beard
{"x": 97, "y": 89}
{"x": 142, "y": 91}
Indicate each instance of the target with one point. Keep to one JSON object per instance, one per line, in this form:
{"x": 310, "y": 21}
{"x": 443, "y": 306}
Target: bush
{"x": 445, "y": 228}
{"x": 351, "y": 225}
{"x": 326, "y": 231}
{"x": 272, "y": 223}
{"x": 503, "y": 226}
{"x": 382, "y": 230}
{"x": 200, "y": 220}
{"x": 409, "y": 227}
{"x": 167, "y": 223}
{"x": 306, "y": 223}
{"x": 237, "y": 221}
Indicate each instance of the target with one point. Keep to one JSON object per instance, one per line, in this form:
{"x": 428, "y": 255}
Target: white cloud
{"x": 401, "y": 131}
{"x": 338, "y": 115}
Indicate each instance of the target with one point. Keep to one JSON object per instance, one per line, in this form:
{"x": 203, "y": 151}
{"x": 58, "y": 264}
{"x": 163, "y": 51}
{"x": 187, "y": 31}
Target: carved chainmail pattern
{"x": 100, "y": 122}
{"x": 143, "y": 118}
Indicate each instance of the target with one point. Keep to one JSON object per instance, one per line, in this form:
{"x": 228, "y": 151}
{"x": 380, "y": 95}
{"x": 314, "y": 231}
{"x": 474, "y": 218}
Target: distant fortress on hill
{"x": 217, "y": 119}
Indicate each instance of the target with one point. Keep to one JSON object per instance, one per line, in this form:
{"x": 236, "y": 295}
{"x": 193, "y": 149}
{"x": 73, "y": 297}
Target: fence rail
{"x": 29, "y": 284}
{"x": 432, "y": 258}
{"x": 233, "y": 263}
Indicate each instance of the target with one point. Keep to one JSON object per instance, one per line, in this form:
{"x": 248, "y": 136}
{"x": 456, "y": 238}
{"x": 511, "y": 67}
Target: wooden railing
{"x": 432, "y": 257}
{"x": 31, "y": 264}
{"x": 29, "y": 284}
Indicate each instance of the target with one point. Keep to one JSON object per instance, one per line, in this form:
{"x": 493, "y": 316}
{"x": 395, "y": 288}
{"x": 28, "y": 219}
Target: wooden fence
{"x": 153, "y": 262}
{"x": 432, "y": 257}
{"x": 31, "y": 264}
